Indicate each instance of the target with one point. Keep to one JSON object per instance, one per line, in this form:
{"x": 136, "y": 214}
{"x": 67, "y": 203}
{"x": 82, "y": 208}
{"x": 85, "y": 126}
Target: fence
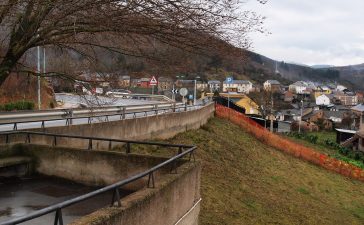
{"x": 288, "y": 146}
{"x": 182, "y": 152}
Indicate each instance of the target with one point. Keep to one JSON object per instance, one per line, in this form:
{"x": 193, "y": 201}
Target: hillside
{"x": 351, "y": 76}
{"x": 247, "y": 182}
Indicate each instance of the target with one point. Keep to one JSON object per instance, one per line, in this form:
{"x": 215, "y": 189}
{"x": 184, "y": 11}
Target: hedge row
{"x": 288, "y": 146}
{"x": 23, "y": 105}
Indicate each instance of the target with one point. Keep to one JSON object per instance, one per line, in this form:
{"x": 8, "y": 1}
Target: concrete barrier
{"x": 175, "y": 199}
{"x": 161, "y": 126}
{"x": 92, "y": 168}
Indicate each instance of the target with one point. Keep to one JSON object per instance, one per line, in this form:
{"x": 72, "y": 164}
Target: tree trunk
{"x": 6, "y": 67}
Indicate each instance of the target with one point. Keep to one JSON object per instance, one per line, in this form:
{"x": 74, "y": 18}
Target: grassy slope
{"x": 323, "y": 148}
{"x": 247, "y": 182}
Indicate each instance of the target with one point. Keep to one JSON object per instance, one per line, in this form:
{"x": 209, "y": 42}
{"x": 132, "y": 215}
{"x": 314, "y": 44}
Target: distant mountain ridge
{"x": 351, "y": 76}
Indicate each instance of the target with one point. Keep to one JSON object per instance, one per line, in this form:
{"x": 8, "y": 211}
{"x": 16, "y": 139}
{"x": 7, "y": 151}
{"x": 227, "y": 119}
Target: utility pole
{"x": 299, "y": 124}
{"x": 38, "y": 77}
{"x": 271, "y": 116}
{"x": 44, "y": 60}
{"x": 194, "y": 94}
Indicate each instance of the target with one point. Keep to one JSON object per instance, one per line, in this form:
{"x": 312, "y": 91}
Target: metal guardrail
{"x": 183, "y": 150}
{"x": 70, "y": 115}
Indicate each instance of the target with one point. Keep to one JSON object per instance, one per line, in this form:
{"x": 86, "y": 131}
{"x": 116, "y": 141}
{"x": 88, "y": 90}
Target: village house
{"x": 201, "y": 86}
{"x": 124, "y": 81}
{"x": 272, "y": 86}
{"x": 249, "y": 105}
{"x": 318, "y": 117}
{"x": 360, "y": 96}
{"x": 348, "y": 99}
{"x": 239, "y": 86}
{"x": 165, "y": 83}
{"x": 214, "y": 85}
{"x": 288, "y": 96}
{"x": 299, "y": 87}
{"x": 322, "y": 100}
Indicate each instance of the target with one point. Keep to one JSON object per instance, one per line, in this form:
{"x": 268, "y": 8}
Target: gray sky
{"x": 311, "y": 31}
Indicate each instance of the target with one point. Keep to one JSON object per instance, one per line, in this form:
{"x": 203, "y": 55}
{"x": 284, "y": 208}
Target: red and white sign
{"x": 153, "y": 81}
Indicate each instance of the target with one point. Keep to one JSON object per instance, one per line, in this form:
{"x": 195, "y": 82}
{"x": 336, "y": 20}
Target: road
{"x": 97, "y": 101}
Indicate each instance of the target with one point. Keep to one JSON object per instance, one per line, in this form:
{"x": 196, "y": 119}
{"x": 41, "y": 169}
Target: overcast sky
{"x": 311, "y": 31}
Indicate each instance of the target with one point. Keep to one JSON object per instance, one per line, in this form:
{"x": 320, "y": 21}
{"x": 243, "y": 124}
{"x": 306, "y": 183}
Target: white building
{"x": 214, "y": 85}
{"x": 340, "y": 87}
{"x": 240, "y": 86}
{"x": 298, "y": 87}
{"x": 272, "y": 85}
{"x": 322, "y": 100}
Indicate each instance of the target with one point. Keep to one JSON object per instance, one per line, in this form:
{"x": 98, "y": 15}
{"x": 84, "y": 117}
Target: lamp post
{"x": 195, "y": 90}
{"x": 299, "y": 124}
{"x": 38, "y": 77}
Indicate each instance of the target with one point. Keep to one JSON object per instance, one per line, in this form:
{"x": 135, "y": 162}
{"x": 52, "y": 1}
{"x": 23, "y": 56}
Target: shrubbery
{"x": 23, "y": 105}
{"x": 308, "y": 137}
{"x": 351, "y": 156}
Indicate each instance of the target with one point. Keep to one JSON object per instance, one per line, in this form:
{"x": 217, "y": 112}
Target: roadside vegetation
{"x": 21, "y": 105}
{"x": 247, "y": 182}
{"x": 325, "y": 142}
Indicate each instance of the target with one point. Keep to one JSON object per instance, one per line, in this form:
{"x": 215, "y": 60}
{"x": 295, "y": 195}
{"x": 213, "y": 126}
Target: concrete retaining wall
{"x": 93, "y": 168}
{"x": 173, "y": 197}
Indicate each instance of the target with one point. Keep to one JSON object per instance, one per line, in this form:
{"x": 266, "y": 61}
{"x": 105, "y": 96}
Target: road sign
{"x": 174, "y": 91}
{"x": 190, "y": 97}
{"x": 153, "y": 81}
{"x": 229, "y": 80}
{"x": 183, "y": 92}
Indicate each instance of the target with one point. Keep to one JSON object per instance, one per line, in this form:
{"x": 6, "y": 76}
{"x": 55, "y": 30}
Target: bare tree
{"x": 129, "y": 27}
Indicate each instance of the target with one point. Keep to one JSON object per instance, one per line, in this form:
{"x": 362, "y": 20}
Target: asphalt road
{"x": 98, "y": 101}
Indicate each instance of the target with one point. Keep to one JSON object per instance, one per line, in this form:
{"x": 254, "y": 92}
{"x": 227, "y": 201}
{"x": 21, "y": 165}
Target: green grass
{"x": 247, "y": 182}
{"x": 320, "y": 146}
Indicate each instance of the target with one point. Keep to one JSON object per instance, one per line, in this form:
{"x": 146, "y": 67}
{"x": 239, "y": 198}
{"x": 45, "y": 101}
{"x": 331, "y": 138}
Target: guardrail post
{"x": 15, "y": 126}
{"x": 173, "y": 168}
{"x": 116, "y": 198}
{"x": 128, "y": 148}
{"x": 124, "y": 111}
{"x": 185, "y": 106}
{"x": 90, "y": 144}
{"x": 151, "y": 180}
{"x": 110, "y": 145}
{"x": 58, "y": 218}
{"x": 156, "y": 109}
{"x": 192, "y": 155}
{"x": 43, "y": 125}
{"x": 71, "y": 115}
{"x": 180, "y": 149}
{"x": 174, "y": 107}
{"x": 27, "y": 140}
{"x": 54, "y": 140}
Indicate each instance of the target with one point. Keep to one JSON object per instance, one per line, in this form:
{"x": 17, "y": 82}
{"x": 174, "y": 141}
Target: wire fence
{"x": 288, "y": 146}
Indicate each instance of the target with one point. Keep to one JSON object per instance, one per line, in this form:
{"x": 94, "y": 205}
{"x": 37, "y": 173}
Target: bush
{"x": 23, "y": 105}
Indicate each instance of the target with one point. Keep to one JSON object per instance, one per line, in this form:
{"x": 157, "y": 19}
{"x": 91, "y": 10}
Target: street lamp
{"x": 299, "y": 124}
{"x": 195, "y": 90}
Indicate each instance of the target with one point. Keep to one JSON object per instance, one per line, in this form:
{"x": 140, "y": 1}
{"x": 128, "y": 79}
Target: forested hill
{"x": 351, "y": 76}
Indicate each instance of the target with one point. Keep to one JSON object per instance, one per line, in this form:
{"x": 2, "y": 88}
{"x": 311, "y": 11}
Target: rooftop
{"x": 359, "y": 108}
{"x": 273, "y": 81}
